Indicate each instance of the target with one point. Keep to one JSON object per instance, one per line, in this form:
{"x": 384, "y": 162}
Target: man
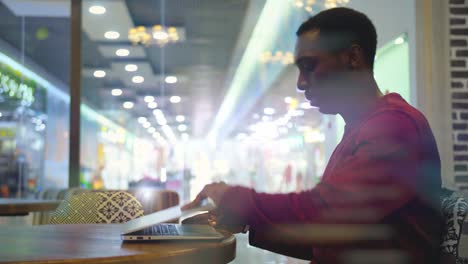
{"x": 383, "y": 177}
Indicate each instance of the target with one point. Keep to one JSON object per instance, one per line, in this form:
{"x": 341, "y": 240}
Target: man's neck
{"x": 363, "y": 102}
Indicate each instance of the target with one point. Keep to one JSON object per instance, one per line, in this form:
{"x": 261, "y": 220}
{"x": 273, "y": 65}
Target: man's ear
{"x": 356, "y": 57}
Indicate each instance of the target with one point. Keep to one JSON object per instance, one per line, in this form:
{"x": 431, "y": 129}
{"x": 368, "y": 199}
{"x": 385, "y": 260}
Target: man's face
{"x": 323, "y": 75}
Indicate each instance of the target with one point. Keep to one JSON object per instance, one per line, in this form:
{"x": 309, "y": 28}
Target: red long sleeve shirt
{"x": 385, "y": 172}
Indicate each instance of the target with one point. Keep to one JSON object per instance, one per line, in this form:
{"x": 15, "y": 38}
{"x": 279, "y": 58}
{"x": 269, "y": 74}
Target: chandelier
{"x": 282, "y": 57}
{"x": 158, "y": 34}
{"x": 309, "y": 5}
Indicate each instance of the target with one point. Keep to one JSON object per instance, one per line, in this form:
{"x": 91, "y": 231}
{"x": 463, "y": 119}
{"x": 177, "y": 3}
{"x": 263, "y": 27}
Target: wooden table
{"x": 16, "y": 207}
{"x": 101, "y": 243}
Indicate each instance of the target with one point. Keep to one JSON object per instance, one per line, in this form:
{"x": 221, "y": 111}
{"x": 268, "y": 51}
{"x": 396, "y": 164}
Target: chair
{"x": 454, "y": 210}
{"x": 40, "y": 218}
{"x": 43, "y": 218}
{"x": 94, "y": 207}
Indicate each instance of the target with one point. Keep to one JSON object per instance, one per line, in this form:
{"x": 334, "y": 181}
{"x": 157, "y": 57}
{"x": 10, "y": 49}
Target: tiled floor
{"x": 247, "y": 254}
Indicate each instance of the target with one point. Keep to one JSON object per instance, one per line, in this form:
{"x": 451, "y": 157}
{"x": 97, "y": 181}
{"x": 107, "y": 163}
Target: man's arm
{"x": 263, "y": 239}
{"x": 378, "y": 178}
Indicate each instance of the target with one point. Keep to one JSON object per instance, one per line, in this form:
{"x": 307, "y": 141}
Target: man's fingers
{"x": 200, "y": 219}
{"x": 196, "y": 202}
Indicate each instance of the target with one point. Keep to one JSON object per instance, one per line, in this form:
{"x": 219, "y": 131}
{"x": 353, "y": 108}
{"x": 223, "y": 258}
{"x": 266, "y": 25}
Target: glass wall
{"x": 34, "y": 101}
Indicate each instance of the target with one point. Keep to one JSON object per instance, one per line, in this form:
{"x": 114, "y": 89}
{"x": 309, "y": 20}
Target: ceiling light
{"x": 112, "y": 35}
{"x": 138, "y": 79}
{"x": 152, "y": 105}
{"x": 184, "y": 136}
{"x": 160, "y": 118}
{"x": 146, "y": 124}
{"x": 97, "y": 10}
{"x": 160, "y": 35}
{"x": 131, "y": 67}
{"x": 99, "y": 73}
{"x": 399, "y": 41}
{"x": 169, "y": 133}
{"x": 122, "y": 52}
{"x": 182, "y": 127}
{"x": 142, "y": 120}
{"x": 279, "y": 56}
{"x": 268, "y": 111}
{"x": 170, "y": 79}
{"x": 158, "y": 112}
{"x": 299, "y": 4}
{"x": 175, "y": 99}
{"x": 149, "y": 99}
{"x": 180, "y": 118}
{"x": 116, "y": 92}
{"x": 151, "y": 130}
{"x": 128, "y": 105}
{"x": 288, "y": 99}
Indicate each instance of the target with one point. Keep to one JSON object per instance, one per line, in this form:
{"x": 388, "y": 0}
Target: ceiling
{"x": 216, "y": 35}
{"x": 200, "y": 62}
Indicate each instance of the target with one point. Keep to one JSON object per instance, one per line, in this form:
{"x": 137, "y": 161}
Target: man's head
{"x": 334, "y": 50}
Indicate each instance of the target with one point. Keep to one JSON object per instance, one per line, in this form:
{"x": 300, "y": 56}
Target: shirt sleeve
{"x": 377, "y": 177}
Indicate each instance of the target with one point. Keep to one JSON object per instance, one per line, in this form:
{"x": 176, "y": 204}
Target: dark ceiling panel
{"x": 52, "y": 52}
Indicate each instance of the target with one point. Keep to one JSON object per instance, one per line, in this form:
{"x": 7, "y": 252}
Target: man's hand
{"x": 215, "y": 221}
{"x": 216, "y": 218}
{"x": 200, "y": 219}
{"x": 214, "y": 191}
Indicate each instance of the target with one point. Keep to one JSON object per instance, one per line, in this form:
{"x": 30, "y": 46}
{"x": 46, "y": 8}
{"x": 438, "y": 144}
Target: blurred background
{"x": 175, "y": 94}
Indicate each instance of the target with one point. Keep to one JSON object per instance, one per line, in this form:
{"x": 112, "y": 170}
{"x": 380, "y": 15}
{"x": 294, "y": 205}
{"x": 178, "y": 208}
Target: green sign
{"x": 14, "y": 85}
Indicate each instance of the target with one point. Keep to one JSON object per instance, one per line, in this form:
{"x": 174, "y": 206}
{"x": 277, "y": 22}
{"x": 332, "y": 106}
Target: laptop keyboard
{"x": 161, "y": 230}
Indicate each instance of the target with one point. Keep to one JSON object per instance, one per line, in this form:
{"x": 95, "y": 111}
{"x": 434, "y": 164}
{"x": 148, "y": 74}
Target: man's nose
{"x": 301, "y": 82}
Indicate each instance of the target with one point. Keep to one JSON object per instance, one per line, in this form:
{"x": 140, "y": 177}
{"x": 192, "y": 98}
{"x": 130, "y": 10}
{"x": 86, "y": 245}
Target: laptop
{"x": 152, "y": 226}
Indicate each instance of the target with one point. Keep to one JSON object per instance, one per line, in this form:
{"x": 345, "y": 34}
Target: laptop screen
{"x": 164, "y": 216}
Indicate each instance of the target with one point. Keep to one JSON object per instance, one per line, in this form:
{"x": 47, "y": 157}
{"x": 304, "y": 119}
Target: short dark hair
{"x": 345, "y": 21}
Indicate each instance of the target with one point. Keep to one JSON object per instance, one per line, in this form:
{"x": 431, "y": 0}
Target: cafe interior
{"x": 153, "y": 99}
